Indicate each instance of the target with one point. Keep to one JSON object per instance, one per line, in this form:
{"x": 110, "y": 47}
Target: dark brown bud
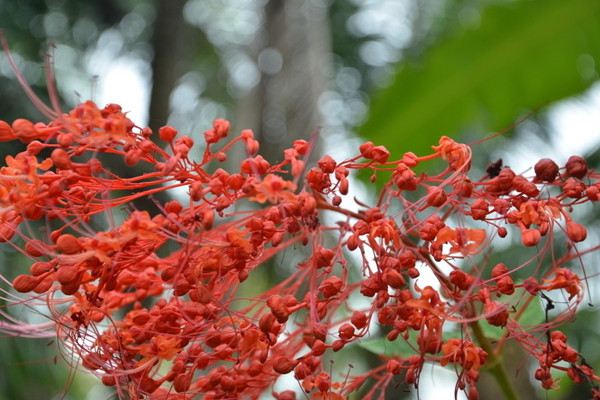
{"x": 546, "y": 170}
{"x": 577, "y": 167}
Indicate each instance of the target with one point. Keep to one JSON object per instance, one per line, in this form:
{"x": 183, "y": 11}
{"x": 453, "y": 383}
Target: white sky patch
{"x": 124, "y": 83}
{"x": 426, "y": 277}
{"x": 576, "y": 123}
{"x": 437, "y": 383}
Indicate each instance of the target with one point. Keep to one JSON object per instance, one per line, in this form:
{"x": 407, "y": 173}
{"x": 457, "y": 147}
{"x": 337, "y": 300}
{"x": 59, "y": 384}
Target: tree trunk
{"x": 294, "y": 57}
{"x": 172, "y": 43}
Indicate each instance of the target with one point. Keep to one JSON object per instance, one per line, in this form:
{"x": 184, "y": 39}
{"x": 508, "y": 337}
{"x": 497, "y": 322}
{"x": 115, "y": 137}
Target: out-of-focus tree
{"x": 294, "y": 62}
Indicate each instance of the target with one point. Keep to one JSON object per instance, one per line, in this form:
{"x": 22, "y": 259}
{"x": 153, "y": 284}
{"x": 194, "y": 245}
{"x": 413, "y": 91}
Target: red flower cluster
{"x": 152, "y": 304}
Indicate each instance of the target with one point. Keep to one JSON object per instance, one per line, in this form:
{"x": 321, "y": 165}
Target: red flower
{"x": 172, "y": 303}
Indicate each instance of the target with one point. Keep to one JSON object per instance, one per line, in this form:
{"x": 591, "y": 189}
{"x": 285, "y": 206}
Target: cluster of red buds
{"x": 156, "y": 304}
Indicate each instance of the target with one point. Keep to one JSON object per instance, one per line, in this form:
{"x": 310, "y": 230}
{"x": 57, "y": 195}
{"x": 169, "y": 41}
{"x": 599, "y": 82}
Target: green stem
{"x": 496, "y": 369}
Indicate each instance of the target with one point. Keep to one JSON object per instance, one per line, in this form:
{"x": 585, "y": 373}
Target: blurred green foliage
{"x": 517, "y": 57}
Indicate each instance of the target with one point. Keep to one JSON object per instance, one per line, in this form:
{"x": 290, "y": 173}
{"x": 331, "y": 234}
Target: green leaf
{"x": 399, "y": 347}
{"x": 523, "y": 55}
{"x": 533, "y": 315}
{"x": 383, "y": 347}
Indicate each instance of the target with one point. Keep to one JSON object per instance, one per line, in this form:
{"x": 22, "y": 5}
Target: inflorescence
{"x": 153, "y": 303}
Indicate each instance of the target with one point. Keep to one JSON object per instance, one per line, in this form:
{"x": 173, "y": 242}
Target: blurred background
{"x": 397, "y": 72}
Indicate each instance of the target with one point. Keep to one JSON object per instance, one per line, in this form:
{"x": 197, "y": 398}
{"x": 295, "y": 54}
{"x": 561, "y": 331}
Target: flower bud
{"x": 6, "y": 132}
{"x": 393, "y": 279}
{"x": 301, "y": 146}
{"x": 576, "y": 232}
{"x": 25, "y": 283}
{"x": 394, "y": 367}
{"x": 39, "y": 268}
{"x": 327, "y": 164}
{"x": 35, "y": 248}
{"x": 68, "y": 244}
{"x": 359, "y": 319}
{"x": 331, "y": 286}
{"x": 530, "y": 237}
{"x": 576, "y": 167}
{"x": 546, "y": 170}
{"x": 283, "y": 365}
{"x": 436, "y": 197}
{"x": 346, "y": 331}
{"x": 167, "y": 133}
{"x": 221, "y": 127}
{"x": 61, "y": 159}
